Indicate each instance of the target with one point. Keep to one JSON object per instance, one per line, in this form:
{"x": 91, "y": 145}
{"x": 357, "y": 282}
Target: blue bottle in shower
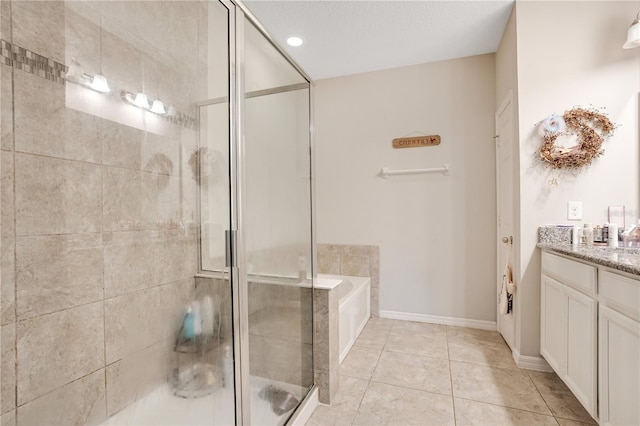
{"x": 188, "y": 326}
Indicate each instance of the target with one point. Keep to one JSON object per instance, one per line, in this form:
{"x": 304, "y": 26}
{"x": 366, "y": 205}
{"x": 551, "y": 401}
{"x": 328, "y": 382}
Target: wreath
{"x": 581, "y": 122}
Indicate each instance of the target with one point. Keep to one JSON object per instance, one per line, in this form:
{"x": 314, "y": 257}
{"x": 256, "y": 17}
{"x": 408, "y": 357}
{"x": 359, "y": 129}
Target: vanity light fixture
{"x": 158, "y": 107}
{"x": 100, "y": 84}
{"x": 633, "y": 35}
{"x": 75, "y": 74}
{"x": 294, "y": 41}
{"x": 141, "y": 100}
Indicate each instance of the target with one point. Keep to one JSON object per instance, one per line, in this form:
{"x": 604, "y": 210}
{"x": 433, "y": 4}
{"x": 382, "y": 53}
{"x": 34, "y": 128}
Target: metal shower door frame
{"x": 237, "y": 271}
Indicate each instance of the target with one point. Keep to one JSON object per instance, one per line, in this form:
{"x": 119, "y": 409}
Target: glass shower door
{"x": 211, "y": 357}
{"x": 276, "y": 230}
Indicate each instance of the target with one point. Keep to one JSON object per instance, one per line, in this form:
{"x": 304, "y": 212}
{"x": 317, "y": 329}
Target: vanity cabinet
{"x": 569, "y": 318}
{"x": 590, "y": 335}
{"x": 619, "y": 350}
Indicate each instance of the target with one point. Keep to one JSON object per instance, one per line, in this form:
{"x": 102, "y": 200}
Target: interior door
{"x": 504, "y": 174}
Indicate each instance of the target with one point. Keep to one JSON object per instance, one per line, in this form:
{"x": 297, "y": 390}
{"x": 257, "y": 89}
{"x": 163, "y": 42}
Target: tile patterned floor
{"x": 408, "y": 373}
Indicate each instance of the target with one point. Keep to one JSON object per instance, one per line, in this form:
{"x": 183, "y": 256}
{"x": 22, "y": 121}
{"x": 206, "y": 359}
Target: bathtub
{"x": 354, "y": 308}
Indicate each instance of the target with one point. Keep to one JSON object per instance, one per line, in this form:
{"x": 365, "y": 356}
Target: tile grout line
{"x": 413, "y": 389}
{"x": 96, "y": 163}
{"x": 511, "y": 408}
{"x": 104, "y": 272}
{"x": 453, "y": 399}
{"x": 369, "y": 381}
{"x": 155, "y": 287}
{"x": 540, "y": 393}
{"x": 57, "y": 388}
{"x": 15, "y": 227}
{"x": 104, "y": 307}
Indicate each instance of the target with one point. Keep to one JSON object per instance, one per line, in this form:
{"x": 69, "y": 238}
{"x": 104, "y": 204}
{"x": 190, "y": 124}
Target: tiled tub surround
{"x": 97, "y": 221}
{"x": 353, "y": 260}
{"x": 280, "y": 332}
{"x": 341, "y": 312}
{"x": 408, "y": 373}
{"x": 279, "y": 325}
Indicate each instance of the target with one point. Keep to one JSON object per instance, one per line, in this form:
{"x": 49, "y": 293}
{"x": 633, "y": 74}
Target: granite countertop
{"x": 621, "y": 258}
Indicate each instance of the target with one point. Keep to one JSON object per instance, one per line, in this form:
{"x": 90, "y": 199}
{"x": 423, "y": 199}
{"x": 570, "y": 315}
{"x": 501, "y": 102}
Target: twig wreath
{"x": 581, "y": 122}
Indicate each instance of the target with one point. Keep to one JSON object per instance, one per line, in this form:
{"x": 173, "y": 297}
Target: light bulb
{"x": 158, "y": 107}
{"x": 99, "y": 84}
{"x": 141, "y": 101}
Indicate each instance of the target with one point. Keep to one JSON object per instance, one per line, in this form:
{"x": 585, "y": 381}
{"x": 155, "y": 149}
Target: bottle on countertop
{"x": 605, "y": 233}
{"x": 588, "y": 234}
{"x": 597, "y": 234}
{"x": 613, "y": 235}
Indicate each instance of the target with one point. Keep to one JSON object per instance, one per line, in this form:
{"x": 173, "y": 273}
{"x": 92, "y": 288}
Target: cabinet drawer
{"x": 575, "y": 274}
{"x": 620, "y": 293}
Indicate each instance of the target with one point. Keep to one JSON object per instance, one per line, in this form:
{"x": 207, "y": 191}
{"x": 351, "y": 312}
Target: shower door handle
{"x": 230, "y": 246}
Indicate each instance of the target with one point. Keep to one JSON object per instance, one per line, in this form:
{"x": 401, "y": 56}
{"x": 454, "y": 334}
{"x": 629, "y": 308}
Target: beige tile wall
{"x": 326, "y": 346}
{"x": 353, "y": 260}
{"x": 281, "y": 333}
{"x": 98, "y": 240}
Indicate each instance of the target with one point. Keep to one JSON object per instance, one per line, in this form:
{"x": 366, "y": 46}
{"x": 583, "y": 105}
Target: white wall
{"x": 436, "y": 233}
{"x": 569, "y": 54}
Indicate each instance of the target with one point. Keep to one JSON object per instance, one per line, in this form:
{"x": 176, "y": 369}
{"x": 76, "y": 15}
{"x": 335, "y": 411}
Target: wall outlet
{"x": 574, "y": 210}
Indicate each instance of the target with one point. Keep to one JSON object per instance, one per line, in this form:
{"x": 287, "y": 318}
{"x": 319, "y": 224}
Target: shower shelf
{"x": 197, "y": 345}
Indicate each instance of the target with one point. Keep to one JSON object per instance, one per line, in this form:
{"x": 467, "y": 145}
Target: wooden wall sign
{"x": 416, "y": 141}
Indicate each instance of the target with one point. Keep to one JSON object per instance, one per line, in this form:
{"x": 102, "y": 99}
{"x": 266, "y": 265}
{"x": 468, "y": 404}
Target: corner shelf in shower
{"x": 199, "y": 344}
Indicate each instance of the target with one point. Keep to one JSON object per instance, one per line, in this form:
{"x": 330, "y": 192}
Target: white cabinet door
{"x": 619, "y": 368}
{"x": 581, "y": 365}
{"x": 553, "y": 322}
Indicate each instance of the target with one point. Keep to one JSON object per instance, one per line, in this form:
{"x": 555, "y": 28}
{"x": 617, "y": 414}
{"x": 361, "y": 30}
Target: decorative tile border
{"x": 28, "y": 61}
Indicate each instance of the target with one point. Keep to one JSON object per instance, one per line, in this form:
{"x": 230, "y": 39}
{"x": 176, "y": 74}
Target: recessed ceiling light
{"x": 294, "y": 41}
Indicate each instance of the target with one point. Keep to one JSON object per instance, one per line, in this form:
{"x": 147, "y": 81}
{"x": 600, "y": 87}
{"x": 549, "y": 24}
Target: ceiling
{"x": 347, "y": 37}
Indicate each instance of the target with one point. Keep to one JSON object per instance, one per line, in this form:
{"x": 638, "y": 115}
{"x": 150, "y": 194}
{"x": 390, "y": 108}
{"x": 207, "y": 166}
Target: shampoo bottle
{"x": 188, "y": 326}
{"x": 613, "y": 235}
{"x": 227, "y": 367}
{"x": 575, "y": 236}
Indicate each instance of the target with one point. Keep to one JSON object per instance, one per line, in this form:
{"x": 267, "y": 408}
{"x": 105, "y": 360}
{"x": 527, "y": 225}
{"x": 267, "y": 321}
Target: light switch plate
{"x": 574, "y": 210}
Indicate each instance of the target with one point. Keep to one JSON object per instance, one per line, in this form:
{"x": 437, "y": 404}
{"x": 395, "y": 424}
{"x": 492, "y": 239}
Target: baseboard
{"x": 535, "y": 363}
{"x": 304, "y": 412}
{"x": 435, "y": 319}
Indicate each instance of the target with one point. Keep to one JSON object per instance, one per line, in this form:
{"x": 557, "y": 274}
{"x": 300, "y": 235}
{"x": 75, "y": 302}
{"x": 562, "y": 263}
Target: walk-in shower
{"x": 156, "y": 216}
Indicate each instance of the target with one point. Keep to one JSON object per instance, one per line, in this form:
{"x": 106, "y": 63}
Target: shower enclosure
{"x": 155, "y": 216}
